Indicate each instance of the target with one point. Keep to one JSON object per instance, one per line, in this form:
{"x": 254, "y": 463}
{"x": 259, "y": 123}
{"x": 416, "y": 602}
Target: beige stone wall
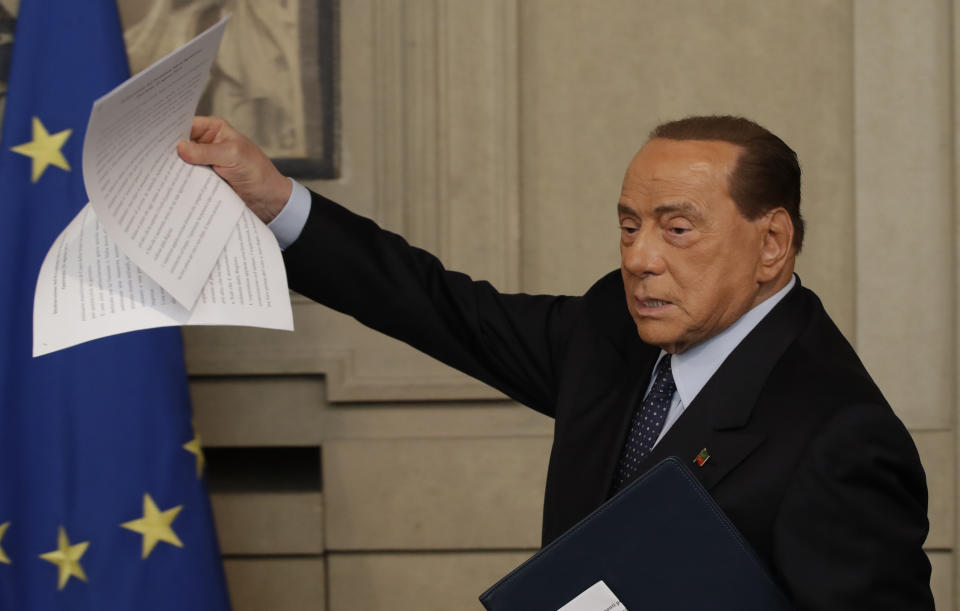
{"x": 495, "y": 133}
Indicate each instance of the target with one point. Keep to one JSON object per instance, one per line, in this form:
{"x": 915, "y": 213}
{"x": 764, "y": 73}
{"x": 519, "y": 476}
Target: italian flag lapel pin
{"x": 702, "y": 458}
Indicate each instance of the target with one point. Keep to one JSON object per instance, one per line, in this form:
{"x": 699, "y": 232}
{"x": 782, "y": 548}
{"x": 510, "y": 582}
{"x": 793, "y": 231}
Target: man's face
{"x": 689, "y": 259}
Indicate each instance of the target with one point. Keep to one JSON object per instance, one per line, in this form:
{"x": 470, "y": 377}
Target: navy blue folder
{"x": 660, "y": 544}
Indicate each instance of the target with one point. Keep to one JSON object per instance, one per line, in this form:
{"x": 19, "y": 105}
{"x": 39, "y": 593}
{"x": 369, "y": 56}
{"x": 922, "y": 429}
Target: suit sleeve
{"x": 511, "y": 342}
{"x": 851, "y": 529}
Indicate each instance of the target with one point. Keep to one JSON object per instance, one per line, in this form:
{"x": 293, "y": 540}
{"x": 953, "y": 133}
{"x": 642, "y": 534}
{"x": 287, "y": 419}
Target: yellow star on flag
{"x": 155, "y": 525}
{"x": 44, "y": 149}
{"x": 194, "y": 446}
{"x": 3, "y": 529}
{"x": 67, "y": 557}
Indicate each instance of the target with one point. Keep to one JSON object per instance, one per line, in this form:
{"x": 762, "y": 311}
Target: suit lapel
{"x": 717, "y": 418}
{"x": 592, "y": 435}
{"x": 725, "y": 448}
{"x": 621, "y": 407}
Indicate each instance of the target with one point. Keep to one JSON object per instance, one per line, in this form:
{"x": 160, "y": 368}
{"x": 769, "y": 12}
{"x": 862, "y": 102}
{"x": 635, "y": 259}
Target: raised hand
{"x": 240, "y": 162}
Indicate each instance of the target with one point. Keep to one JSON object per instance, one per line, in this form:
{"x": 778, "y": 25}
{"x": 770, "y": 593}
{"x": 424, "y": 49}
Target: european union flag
{"x": 102, "y": 501}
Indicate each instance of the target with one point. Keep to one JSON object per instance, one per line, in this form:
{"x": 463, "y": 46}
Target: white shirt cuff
{"x": 287, "y": 225}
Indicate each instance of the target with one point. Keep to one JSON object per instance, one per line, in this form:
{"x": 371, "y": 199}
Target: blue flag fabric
{"x": 102, "y": 502}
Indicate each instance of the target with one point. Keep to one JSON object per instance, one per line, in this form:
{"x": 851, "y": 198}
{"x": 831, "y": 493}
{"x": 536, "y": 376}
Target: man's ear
{"x": 777, "y": 244}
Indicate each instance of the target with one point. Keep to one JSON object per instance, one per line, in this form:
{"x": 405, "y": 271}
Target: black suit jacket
{"x": 806, "y": 456}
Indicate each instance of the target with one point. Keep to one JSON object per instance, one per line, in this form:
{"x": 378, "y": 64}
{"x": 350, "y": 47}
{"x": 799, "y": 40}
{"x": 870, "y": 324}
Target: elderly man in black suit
{"x": 703, "y": 345}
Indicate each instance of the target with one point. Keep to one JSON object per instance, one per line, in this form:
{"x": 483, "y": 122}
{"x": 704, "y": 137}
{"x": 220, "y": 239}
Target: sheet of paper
{"x": 170, "y": 217}
{"x": 597, "y": 597}
{"x": 89, "y": 289}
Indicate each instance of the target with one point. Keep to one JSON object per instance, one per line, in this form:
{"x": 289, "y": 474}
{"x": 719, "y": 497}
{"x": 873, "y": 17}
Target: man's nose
{"x": 643, "y": 256}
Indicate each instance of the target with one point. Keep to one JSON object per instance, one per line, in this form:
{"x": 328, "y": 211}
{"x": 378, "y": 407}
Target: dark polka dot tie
{"x": 646, "y": 424}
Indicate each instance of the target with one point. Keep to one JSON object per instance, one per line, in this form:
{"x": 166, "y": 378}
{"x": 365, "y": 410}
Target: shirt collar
{"x": 694, "y": 367}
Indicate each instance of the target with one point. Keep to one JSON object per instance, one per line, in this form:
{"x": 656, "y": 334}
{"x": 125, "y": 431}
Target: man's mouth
{"x": 651, "y": 305}
{"x": 654, "y": 303}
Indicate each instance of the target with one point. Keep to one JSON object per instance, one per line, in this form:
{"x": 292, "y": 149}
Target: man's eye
{"x": 628, "y": 229}
{"x": 679, "y": 230}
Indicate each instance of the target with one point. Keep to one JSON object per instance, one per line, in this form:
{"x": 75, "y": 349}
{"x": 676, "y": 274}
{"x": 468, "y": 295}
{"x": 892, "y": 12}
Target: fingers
{"x": 226, "y": 154}
{"x": 251, "y": 174}
{"x": 212, "y": 142}
{"x": 207, "y": 129}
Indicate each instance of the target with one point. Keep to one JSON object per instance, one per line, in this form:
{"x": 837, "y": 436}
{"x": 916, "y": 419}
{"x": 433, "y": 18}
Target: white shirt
{"x": 287, "y": 225}
{"x": 691, "y": 369}
{"x": 694, "y": 367}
